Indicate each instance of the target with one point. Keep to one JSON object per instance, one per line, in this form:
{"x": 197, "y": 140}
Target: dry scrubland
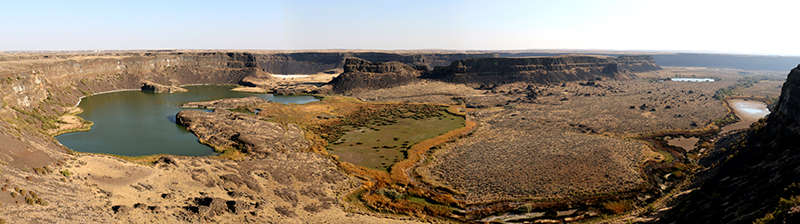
{"x": 762, "y": 89}
{"x": 422, "y": 92}
{"x": 572, "y": 147}
{"x": 566, "y": 140}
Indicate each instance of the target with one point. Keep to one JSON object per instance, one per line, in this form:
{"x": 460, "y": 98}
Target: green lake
{"x": 136, "y": 123}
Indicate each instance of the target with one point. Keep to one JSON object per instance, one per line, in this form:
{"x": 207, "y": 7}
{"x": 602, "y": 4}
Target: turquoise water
{"x": 136, "y": 123}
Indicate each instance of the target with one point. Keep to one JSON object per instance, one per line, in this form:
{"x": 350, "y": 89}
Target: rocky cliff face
{"x": 787, "y": 112}
{"x": 27, "y": 83}
{"x": 361, "y": 74}
{"x": 314, "y": 62}
{"x": 637, "y": 63}
{"x": 30, "y": 79}
{"x": 497, "y": 71}
{"x": 756, "y": 177}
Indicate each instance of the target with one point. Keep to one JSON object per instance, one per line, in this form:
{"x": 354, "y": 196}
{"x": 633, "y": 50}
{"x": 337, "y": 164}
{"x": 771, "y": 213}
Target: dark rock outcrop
{"x": 636, "y": 63}
{"x": 315, "y": 62}
{"x": 753, "y": 174}
{"x": 158, "y": 88}
{"x": 787, "y": 111}
{"x": 225, "y": 129}
{"x": 497, "y": 71}
{"x": 361, "y": 74}
{"x": 229, "y": 103}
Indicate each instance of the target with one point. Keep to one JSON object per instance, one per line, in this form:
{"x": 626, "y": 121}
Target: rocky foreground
{"x": 236, "y": 131}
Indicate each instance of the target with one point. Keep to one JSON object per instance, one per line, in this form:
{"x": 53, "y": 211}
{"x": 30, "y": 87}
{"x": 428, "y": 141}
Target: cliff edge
{"x": 489, "y": 72}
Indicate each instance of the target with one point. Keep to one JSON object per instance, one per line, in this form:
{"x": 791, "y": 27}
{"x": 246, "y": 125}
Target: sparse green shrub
{"x": 389, "y": 193}
{"x": 42, "y": 202}
{"x": 66, "y": 173}
{"x": 525, "y": 208}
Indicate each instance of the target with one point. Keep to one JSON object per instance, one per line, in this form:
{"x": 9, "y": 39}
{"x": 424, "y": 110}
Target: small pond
{"x": 683, "y": 142}
{"x": 692, "y": 79}
{"x": 137, "y": 123}
{"x": 748, "y": 111}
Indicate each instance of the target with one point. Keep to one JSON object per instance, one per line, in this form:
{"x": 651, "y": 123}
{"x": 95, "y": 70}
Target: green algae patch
{"x": 383, "y": 141}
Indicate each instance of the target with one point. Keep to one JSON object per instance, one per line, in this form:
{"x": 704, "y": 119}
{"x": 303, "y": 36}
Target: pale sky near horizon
{"x": 748, "y": 27}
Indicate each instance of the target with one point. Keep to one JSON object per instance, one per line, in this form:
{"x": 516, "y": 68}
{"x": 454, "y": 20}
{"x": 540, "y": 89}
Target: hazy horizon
{"x": 718, "y": 27}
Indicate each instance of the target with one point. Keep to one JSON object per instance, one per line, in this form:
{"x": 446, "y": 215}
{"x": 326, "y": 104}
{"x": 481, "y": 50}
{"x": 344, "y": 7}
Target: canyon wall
{"x": 361, "y": 74}
{"x": 27, "y": 83}
{"x": 489, "y": 72}
{"x": 314, "y": 62}
{"x": 29, "y": 79}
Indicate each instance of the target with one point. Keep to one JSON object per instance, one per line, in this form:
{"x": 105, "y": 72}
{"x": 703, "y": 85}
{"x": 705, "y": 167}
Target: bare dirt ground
{"x": 192, "y": 189}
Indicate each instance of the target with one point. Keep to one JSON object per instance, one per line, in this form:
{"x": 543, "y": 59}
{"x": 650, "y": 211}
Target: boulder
{"x": 158, "y": 88}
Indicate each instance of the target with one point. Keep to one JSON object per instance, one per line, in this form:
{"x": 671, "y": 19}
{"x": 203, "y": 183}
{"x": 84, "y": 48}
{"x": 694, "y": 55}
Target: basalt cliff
{"x": 755, "y": 179}
{"x": 360, "y": 74}
{"x": 489, "y": 72}
{"x": 30, "y": 79}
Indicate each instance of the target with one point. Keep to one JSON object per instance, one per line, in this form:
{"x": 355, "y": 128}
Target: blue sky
{"x": 755, "y": 27}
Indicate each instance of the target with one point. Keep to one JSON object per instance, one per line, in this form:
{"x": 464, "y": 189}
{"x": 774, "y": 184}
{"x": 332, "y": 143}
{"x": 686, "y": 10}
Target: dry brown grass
{"x": 618, "y": 207}
{"x": 762, "y": 89}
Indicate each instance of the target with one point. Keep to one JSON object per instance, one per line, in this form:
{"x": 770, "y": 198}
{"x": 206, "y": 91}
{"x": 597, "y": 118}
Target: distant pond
{"x": 692, "y": 79}
{"x": 137, "y": 123}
